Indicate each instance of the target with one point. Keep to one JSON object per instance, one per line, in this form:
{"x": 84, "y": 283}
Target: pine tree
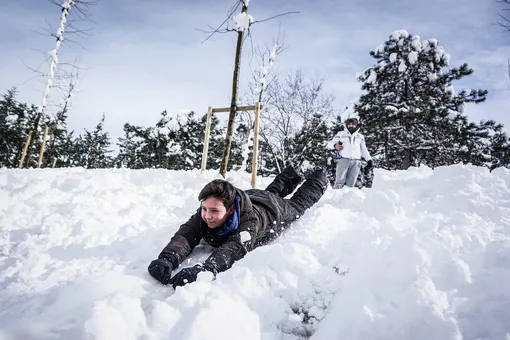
{"x": 95, "y": 148}
{"x": 190, "y": 136}
{"x": 216, "y": 141}
{"x": 11, "y": 132}
{"x": 309, "y": 145}
{"x": 495, "y": 147}
{"x": 153, "y": 147}
{"x": 164, "y": 150}
{"x": 59, "y": 142}
{"x": 410, "y": 108}
{"x": 133, "y": 147}
{"x": 16, "y": 122}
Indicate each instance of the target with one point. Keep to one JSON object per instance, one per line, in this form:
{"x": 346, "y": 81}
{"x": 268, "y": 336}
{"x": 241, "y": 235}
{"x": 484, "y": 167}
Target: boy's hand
{"x": 161, "y": 270}
{"x": 186, "y": 275}
{"x": 339, "y": 147}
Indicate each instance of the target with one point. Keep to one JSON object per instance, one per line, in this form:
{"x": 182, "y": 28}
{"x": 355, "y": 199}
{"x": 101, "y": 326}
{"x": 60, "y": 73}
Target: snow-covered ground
{"x": 424, "y": 254}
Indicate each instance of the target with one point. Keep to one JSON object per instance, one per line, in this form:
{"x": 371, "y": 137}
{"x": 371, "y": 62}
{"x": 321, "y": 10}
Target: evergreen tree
{"x": 133, "y": 147}
{"x": 93, "y": 148}
{"x": 495, "y": 146}
{"x": 59, "y": 144}
{"x": 189, "y": 138}
{"x": 16, "y": 122}
{"x": 309, "y": 145}
{"x": 164, "y": 150}
{"x": 216, "y": 143}
{"x": 11, "y": 132}
{"x": 153, "y": 147}
{"x": 410, "y": 111}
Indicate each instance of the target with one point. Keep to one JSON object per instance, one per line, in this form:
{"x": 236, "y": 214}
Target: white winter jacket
{"x": 354, "y": 145}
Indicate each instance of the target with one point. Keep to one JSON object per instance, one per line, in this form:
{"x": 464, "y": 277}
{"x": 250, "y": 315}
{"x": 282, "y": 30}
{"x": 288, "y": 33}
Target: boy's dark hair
{"x": 220, "y": 189}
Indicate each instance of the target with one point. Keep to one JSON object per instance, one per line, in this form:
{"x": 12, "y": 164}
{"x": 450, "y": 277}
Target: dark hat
{"x": 352, "y": 121}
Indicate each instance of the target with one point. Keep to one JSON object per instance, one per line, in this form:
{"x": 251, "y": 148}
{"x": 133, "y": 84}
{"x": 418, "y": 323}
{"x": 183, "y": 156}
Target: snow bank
{"x": 422, "y": 255}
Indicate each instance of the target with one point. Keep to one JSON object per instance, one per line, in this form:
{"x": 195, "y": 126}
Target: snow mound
{"x": 422, "y": 255}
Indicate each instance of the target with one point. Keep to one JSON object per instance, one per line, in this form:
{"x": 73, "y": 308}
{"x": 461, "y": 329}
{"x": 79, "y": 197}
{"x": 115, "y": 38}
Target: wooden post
{"x": 257, "y": 107}
{"x": 54, "y": 162}
{"x": 25, "y": 149}
{"x": 206, "y": 139}
{"x": 42, "y": 147}
{"x": 32, "y": 139}
{"x": 255, "y": 157}
{"x": 233, "y": 103}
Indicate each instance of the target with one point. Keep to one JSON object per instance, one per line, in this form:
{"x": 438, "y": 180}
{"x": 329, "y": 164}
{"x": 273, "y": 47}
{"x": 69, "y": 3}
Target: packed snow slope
{"x": 424, "y": 254}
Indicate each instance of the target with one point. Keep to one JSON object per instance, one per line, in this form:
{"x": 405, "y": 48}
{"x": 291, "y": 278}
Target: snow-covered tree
{"x": 309, "y": 145}
{"x": 59, "y": 140}
{"x": 410, "y": 109}
{"x": 494, "y": 144}
{"x": 93, "y": 148}
{"x": 134, "y": 150}
{"x": 16, "y": 120}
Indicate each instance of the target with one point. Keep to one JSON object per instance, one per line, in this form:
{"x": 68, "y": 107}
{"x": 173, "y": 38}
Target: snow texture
{"x": 243, "y": 21}
{"x": 372, "y": 77}
{"x": 403, "y": 260}
{"x": 399, "y": 34}
{"x": 402, "y": 67}
{"x": 413, "y": 57}
{"x": 379, "y": 49}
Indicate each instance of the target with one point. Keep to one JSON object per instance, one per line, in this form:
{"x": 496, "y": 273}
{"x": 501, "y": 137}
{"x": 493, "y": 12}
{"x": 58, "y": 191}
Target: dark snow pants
{"x": 308, "y": 193}
{"x": 275, "y": 211}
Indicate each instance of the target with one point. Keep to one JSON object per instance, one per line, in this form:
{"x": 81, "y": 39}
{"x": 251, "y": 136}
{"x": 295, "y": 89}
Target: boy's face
{"x": 214, "y": 212}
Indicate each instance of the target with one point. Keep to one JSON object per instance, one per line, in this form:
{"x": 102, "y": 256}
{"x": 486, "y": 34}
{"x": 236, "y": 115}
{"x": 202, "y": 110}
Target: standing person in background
{"x": 350, "y": 146}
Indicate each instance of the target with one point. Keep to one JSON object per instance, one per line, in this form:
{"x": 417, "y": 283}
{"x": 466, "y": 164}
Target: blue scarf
{"x": 232, "y": 221}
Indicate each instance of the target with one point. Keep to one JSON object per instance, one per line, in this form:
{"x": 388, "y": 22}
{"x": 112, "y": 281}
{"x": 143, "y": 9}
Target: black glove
{"x": 161, "y": 270}
{"x": 187, "y": 275}
{"x": 370, "y": 164}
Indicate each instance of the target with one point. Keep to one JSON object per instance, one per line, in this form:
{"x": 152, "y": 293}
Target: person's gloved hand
{"x": 185, "y": 276}
{"x": 161, "y": 270}
{"x": 370, "y": 164}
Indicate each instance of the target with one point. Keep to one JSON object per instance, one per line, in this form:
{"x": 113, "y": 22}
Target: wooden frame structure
{"x": 254, "y": 166}
{"x": 41, "y": 152}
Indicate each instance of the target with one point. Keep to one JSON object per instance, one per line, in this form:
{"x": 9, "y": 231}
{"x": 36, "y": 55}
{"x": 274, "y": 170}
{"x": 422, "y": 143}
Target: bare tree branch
{"x": 506, "y": 21}
{"x": 71, "y": 19}
{"x": 224, "y": 30}
{"x": 219, "y": 28}
{"x": 276, "y": 16}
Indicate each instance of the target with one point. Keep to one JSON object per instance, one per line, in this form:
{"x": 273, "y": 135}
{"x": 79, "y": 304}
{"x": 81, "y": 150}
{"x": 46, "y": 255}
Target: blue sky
{"x": 147, "y": 56}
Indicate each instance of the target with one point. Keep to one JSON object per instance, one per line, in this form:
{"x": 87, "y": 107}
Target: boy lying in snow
{"x": 235, "y": 222}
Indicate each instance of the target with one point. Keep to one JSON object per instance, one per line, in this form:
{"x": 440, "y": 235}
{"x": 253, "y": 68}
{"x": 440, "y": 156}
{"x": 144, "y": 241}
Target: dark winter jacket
{"x": 264, "y": 216}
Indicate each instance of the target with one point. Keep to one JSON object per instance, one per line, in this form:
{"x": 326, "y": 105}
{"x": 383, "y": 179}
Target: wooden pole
{"x": 54, "y": 162}
{"x": 27, "y": 142}
{"x": 255, "y": 158}
{"x": 32, "y": 139}
{"x": 233, "y": 103}
{"x": 42, "y": 147}
{"x": 206, "y": 139}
